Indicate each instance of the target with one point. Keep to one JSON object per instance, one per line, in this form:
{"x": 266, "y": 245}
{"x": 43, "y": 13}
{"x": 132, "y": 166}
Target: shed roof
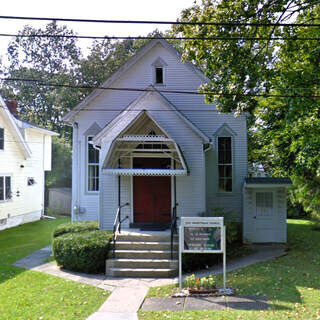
{"x": 266, "y": 182}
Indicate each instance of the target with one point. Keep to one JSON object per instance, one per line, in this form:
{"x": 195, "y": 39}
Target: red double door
{"x": 151, "y": 194}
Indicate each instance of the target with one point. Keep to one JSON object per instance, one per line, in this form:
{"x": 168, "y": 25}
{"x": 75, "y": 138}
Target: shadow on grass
{"x": 286, "y": 279}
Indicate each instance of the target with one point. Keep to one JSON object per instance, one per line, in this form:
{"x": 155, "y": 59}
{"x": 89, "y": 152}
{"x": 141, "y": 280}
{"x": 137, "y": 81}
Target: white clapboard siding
{"x": 277, "y": 231}
{"x": 30, "y": 202}
{"x": 191, "y": 190}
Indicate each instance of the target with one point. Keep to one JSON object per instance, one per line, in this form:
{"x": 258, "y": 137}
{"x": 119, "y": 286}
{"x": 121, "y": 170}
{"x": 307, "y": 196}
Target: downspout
{"x": 175, "y": 186}
{"x": 205, "y": 150}
{"x": 44, "y": 176}
{"x": 208, "y": 148}
{"x": 76, "y": 205}
{"x": 119, "y": 195}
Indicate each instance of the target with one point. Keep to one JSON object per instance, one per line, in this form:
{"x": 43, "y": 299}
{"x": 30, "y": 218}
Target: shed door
{"x": 265, "y": 216}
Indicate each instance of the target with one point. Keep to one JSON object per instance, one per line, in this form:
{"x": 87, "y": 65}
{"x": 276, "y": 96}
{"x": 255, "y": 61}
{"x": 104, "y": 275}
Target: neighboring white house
{"x": 157, "y": 148}
{"x": 25, "y": 155}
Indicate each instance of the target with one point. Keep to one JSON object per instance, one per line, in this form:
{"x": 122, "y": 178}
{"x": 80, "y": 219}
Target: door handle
{"x": 255, "y": 217}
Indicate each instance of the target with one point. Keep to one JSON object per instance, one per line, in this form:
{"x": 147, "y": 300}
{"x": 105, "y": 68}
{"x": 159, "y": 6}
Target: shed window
{"x": 5, "y": 188}
{"x": 93, "y": 167}
{"x": 225, "y": 164}
{"x": 264, "y": 203}
{"x": 159, "y": 75}
{"x": 1, "y": 138}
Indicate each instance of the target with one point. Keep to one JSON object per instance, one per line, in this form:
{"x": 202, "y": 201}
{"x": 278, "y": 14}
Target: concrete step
{"x": 146, "y": 236}
{"x": 142, "y": 272}
{"x": 145, "y": 245}
{"x": 142, "y": 263}
{"x": 144, "y": 254}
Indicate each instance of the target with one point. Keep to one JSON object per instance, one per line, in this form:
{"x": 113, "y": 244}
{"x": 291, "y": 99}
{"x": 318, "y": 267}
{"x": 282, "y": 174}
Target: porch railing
{"x": 173, "y": 226}
{"x": 117, "y": 226}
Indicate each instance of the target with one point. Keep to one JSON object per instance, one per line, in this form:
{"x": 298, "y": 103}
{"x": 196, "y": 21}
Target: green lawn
{"x": 34, "y": 295}
{"x": 291, "y": 283}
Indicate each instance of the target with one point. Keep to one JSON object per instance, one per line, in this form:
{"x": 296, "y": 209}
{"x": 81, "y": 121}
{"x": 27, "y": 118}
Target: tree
{"x": 50, "y": 59}
{"x": 60, "y": 175}
{"x": 285, "y": 129}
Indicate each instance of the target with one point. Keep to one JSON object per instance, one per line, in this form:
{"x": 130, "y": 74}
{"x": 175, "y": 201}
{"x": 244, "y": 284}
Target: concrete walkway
{"x": 128, "y": 294}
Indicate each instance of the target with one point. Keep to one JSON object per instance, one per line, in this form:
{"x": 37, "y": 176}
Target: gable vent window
{"x": 93, "y": 167}
{"x": 225, "y": 164}
{"x": 5, "y": 188}
{"x": 1, "y": 138}
{"x": 159, "y": 75}
{"x": 31, "y": 181}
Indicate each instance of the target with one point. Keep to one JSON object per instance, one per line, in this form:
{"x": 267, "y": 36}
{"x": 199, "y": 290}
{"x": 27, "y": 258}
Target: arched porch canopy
{"x": 141, "y": 136}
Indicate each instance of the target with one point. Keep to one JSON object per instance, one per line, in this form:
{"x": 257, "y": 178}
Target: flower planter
{"x": 203, "y": 291}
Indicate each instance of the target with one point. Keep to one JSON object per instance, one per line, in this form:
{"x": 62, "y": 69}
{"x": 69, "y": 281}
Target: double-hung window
{"x": 5, "y": 188}
{"x": 93, "y": 166}
{"x": 1, "y": 138}
{"x": 225, "y": 164}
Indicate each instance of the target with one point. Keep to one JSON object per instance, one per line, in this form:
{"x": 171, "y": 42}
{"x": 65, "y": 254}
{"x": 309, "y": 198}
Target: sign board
{"x": 202, "y": 235}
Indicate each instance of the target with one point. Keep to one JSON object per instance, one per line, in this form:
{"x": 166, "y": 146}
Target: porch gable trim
{"x": 145, "y": 172}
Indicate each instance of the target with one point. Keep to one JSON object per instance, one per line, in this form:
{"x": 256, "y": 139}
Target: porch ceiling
{"x": 127, "y": 147}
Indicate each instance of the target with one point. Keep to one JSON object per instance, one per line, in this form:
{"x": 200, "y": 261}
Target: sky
{"x": 164, "y": 10}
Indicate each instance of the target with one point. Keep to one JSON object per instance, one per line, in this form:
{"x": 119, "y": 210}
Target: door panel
{"x": 265, "y": 216}
{"x": 151, "y": 194}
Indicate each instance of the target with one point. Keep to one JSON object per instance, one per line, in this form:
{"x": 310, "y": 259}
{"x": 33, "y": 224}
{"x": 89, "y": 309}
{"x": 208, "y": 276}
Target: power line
{"x": 204, "y": 23}
{"x": 216, "y": 93}
{"x": 244, "y": 38}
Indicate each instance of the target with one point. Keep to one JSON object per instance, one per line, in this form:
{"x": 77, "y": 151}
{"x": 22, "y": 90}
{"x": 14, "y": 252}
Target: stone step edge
{"x": 147, "y": 242}
{"x": 144, "y": 251}
{"x": 142, "y": 269}
{"x": 143, "y": 260}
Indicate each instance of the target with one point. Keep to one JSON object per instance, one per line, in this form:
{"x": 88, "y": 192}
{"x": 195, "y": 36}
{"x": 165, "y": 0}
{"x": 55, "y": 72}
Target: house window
{"x": 1, "y": 138}
{"x": 93, "y": 167}
{"x": 159, "y": 75}
{"x": 225, "y": 164}
{"x": 5, "y": 188}
{"x": 264, "y": 203}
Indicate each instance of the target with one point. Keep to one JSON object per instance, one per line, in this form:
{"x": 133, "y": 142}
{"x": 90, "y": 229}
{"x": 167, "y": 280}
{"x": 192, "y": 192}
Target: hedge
{"x": 72, "y": 227}
{"x": 84, "y": 251}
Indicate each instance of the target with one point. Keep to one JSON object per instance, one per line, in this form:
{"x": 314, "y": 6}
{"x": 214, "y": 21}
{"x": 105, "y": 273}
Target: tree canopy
{"x": 275, "y": 81}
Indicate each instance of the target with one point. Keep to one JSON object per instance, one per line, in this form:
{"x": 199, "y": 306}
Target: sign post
{"x": 202, "y": 235}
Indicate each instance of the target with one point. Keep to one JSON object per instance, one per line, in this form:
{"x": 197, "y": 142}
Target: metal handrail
{"x": 117, "y": 225}
{"x": 173, "y": 226}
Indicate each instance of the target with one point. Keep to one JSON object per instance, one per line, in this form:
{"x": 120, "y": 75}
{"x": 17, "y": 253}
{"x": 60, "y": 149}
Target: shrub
{"x": 75, "y": 227}
{"x": 84, "y": 251}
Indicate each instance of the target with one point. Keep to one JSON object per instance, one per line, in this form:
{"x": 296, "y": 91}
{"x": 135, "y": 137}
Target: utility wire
{"x": 216, "y": 93}
{"x": 157, "y": 38}
{"x": 204, "y": 23}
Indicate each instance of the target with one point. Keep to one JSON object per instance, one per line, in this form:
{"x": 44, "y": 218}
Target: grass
{"x": 30, "y": 295}
{"x": 291, "y": 283}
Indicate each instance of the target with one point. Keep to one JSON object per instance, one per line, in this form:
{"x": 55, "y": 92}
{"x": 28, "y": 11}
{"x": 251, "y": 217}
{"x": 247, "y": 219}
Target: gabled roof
{"x": 128, "y": 115}
{"x": 10, "y": 121}
{"x": 28, "y": 125}
{"x": 143, "y": 51}
{"x": 17, "y": 126}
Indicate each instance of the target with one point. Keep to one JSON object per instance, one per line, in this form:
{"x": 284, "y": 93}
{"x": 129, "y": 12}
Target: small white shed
{"x": 265, "y": 209}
